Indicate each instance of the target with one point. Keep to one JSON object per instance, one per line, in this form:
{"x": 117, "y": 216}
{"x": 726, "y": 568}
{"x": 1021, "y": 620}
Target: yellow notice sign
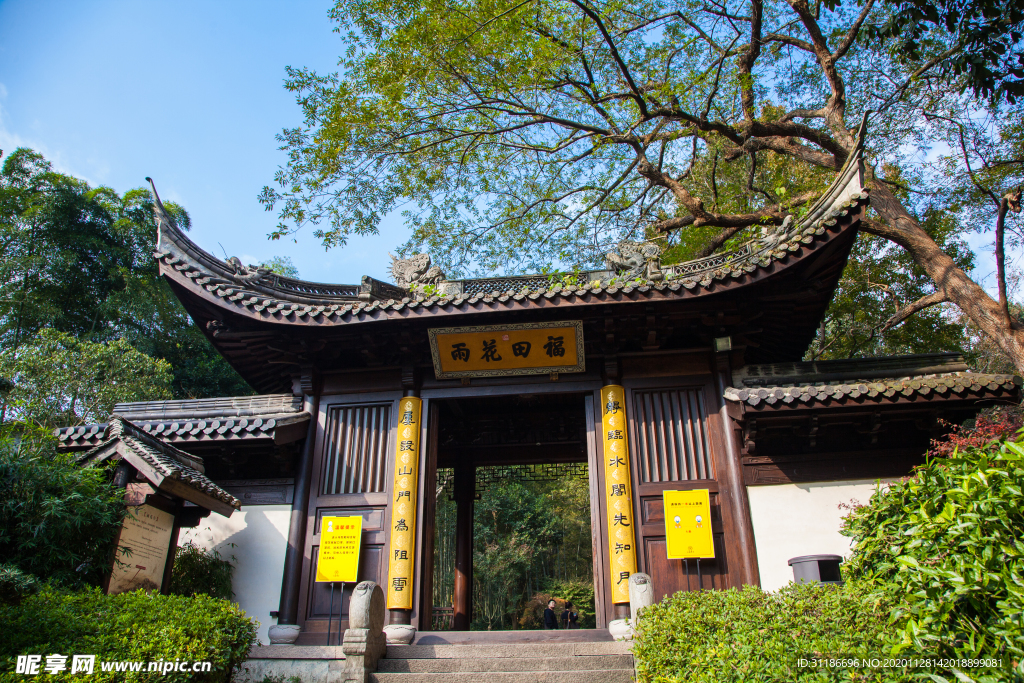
{"x": 688, "y": 524}
{"x": 507, "y": 350}
{"x": 340, "y": 538}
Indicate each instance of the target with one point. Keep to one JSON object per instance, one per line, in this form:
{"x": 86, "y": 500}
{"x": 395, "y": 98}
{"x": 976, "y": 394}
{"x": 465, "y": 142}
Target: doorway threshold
{"x": 583, "y": 635}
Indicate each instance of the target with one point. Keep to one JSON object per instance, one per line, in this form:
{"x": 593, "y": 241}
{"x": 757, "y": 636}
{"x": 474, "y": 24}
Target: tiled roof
{"x": 199, "y": 271}
{"x": 749, "y": 259}
{"x": 877, "y": 390}
{"x": 197, "y": 420}
{"x": 166, "y": 460}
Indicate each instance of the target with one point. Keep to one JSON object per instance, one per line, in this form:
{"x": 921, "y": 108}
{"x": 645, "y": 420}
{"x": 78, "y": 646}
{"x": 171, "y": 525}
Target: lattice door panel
{"x": 672, "y": 438}
{"x": 355, "y": 456}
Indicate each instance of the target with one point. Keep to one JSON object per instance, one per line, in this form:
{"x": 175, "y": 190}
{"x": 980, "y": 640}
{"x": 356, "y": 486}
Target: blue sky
{"x": 187, "y": 92}
{"x": 191, "y": 94}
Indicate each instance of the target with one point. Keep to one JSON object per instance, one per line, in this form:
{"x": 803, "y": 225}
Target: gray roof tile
{"x": 162, "y": 457}
{"x": 239, "y": 417}
{"x": 956, "y": 383}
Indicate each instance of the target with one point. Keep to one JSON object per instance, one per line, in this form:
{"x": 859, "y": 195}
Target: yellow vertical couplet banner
{"x": 618, "y": 491}
{"x": 403, "y": 505}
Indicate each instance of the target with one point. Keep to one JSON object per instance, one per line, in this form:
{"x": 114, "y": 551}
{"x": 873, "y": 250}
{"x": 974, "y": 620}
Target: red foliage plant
{"x": 993, "y": 423}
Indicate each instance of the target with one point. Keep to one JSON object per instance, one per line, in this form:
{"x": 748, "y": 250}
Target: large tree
{"x": 79, "y": 260}
{"x": 524, "y": 133}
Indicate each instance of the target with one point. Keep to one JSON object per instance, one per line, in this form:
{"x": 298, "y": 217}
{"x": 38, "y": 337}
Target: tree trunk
{"x": 960, "y": 289}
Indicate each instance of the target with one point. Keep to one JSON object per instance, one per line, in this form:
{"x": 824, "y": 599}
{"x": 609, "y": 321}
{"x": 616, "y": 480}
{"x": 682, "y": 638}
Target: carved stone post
{"x": 641, "y": 595}
{"x": 364, "y": 641}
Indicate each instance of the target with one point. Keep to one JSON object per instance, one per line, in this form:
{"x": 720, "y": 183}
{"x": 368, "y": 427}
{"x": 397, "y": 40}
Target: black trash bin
{"x": 816, "y": 569}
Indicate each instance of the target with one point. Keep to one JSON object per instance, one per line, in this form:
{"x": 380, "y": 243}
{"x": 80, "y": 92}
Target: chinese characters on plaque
{"x": 340, "y": 538}
{"x": 504, "y": 350}
{"x": 688, "y": 524}
{"x": 146, "y": 532}
{"x": 618, "y": 491}
{"x": 403, "y": 509}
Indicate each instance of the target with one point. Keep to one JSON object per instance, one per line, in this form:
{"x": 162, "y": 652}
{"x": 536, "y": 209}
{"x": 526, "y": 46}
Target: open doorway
{"x": 512, "y": 525}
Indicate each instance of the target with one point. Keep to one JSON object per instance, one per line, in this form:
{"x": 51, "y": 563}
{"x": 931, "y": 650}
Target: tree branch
{"x": 851, "y": 35}
{"x": 733, "y": 223}
{"x": 936, "y": 297}
{"x": 623, "y": 69}
{"x": 1009, "y": 202}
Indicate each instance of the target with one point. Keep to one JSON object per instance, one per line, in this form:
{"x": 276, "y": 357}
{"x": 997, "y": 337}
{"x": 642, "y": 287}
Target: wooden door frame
{"x": 590, "y": 389}
{"x": 327, "y": 404}
{"x": 730, "y": 509}
{"x": 426, "y": 513}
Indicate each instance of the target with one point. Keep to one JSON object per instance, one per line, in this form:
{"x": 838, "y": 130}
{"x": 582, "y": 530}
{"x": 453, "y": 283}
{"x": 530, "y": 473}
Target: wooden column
{"x": 465, "y": 492}
{"x": 288, "y": 611}
{"x": 732, "y": 491}
{"x": 172, "y": 550}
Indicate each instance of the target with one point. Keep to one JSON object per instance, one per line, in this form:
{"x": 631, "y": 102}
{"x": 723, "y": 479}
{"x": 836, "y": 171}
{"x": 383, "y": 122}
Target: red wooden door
{"x": 675, "y": 445}
{"x": 350, "y": 478}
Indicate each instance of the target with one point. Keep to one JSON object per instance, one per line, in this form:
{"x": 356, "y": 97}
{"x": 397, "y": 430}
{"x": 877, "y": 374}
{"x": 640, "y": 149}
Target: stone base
{"x": 620, "y": 629}
{"x": 283, "y": 634}
{"x": 312, "y": 664}
{"x": 399, "y": 634}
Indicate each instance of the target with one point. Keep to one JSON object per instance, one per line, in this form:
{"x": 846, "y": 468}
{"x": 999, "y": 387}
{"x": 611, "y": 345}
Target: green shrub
{"x": 752, "y": 635}
{"x": 136, "y": 626}
{"x": 15, "y": 584}
{"x": 58, "y": 521}
{"x": 950, "y": 542}
{"x": 198, "y": 570}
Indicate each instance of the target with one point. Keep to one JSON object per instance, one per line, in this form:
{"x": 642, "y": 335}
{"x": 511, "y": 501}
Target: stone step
{"x": 507, "y": 664}
{"x": 583, "y": 676}
{"x": 506, "y": 650}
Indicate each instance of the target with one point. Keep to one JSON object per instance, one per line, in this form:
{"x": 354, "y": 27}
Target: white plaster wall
{"x": 801, "y": 519}
{"x": 260, "y": 535}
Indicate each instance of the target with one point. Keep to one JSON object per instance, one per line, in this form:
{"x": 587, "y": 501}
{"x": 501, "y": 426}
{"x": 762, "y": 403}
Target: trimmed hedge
{"x": 950, "y": 542}
{"x": 135, "y": 626}
{"x": 752, "y": 635}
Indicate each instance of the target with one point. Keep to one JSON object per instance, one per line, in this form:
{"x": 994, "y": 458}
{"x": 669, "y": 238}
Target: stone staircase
{"x": 547, "y": 662}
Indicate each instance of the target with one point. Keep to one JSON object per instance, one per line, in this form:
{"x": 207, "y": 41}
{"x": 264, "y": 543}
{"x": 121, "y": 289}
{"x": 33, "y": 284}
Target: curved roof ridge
{"x": 173, "y": 243}
{"x": 175, "y": 249}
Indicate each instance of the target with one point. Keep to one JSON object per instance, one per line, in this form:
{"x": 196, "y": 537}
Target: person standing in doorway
{"x": 550, "y": 621}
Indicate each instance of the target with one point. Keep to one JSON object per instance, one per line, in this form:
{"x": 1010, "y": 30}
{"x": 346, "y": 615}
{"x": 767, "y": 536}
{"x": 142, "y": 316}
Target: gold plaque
{"x": 506, "y": 350}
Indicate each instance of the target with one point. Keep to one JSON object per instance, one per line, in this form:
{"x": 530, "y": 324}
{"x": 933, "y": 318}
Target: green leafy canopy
{"x": 78, "y": 261}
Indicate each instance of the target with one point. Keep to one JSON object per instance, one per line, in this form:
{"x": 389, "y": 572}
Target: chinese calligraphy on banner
{"x": 688, "y": 524}
{"x": 505, "y": 350}
{"x": 403, "y": 505}
{"x": 618, "y": 491}
{"x": 338, "y": 558}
